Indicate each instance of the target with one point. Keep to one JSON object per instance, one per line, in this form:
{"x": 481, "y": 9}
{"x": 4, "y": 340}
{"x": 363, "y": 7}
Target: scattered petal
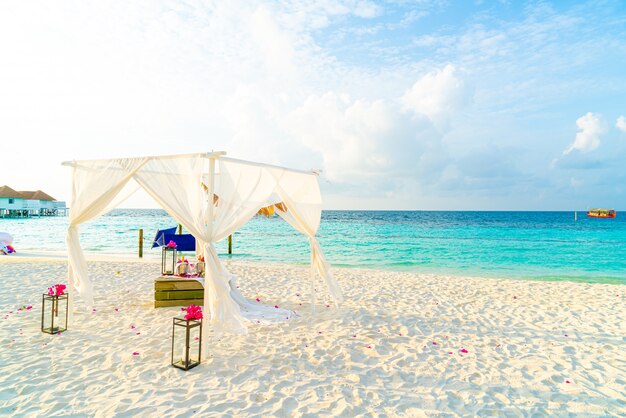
{"x": 135, "y": 353}
{"x": 369, "y": 346}
{"x": 258, "y": 300}
{"x": 434, "y": 343}
{"x": 138, "y": 333}
{"x": 132, "y": 327}
{"x": 276, "y": 306}
{"x": 450, "y": 352}
{"x": 567, "y": 381}
{"x": 117, "y": 310}
{"x": 464, "y": 350}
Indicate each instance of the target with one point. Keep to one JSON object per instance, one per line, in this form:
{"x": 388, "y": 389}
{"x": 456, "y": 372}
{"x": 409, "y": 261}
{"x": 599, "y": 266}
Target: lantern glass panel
{"x": 168, "y": 261}
{"x": 54, "y": 313}
{"x": 186, "y": 343}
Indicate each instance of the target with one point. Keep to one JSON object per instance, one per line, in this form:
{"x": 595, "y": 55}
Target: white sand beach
{"x": 402, "y": 344}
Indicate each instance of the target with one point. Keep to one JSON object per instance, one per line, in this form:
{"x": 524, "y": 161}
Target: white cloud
{"x": 361, "y": 142}
{"x": 591, "y": 127}
{"x": 439, "y": 95}
{"x": 621, "y": 123}
{"x": 367, "y": 9}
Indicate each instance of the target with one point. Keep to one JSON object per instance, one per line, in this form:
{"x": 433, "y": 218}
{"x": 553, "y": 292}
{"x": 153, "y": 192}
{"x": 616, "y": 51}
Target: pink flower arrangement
{"x": 182, "y": 260}
{"x": 57, "y": 290}
{"x": 171, "y": 244}
{"x": 193, "y": 312}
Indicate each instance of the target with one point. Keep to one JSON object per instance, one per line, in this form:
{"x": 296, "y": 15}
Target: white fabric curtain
{"x": 301, "y": 195}
{"x": 180, "y": 186}
{"x": 95, "y": 186}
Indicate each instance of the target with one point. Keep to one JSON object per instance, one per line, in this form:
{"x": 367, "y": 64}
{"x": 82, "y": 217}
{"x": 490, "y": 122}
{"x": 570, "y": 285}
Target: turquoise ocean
{"x": 530, "y": 245}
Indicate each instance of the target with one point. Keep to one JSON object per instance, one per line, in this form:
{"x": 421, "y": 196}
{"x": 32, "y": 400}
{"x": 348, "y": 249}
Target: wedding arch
{"x": 211, "y": 196}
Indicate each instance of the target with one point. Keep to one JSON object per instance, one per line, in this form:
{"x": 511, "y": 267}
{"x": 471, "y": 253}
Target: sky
{"x": 412, "y": 105}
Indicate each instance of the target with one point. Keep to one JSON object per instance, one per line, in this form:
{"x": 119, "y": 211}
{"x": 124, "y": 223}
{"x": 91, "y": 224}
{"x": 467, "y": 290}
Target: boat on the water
{"x": 601, "y": 213}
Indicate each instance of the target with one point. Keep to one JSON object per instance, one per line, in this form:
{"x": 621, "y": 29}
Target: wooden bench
{"x": 173, "y": 291}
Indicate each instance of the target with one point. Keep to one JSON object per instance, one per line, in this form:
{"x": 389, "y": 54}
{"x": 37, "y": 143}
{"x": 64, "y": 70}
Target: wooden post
{"x": 180, "y": 229}
{"x": 141, "y": 243}
{"x": 230, "y": 244}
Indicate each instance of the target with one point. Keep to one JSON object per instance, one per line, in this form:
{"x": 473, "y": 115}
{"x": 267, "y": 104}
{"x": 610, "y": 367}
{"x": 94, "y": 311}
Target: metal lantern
{"x": 54, "y": 313}
{"x": 168, "y": 261}
{"x": 186, "y": 343}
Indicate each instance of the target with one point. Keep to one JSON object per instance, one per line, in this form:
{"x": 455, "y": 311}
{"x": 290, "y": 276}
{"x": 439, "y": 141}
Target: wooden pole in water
{"x": 230, "y": 244}
{"x": 141, "y": 243}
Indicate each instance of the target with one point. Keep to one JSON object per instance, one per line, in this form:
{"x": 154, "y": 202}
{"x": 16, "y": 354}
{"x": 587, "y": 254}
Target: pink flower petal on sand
{"x": 567, "y": 381}
{"x": 117, "y": 310}
{"x": 464, "y": 351}
{"x": 434, "y": 343}
{"x": 276, "y": 306}
{"x": 135, "y": 353}
{"x": 450, "y": 352}
{"x": 196, "y": 339}
{"x": 565, "y": 335}
{"x": 354, "y": 336}
{"x": 138, "y": 333}
{"x": 369, "y": 346}
{"x": 132, "y": 327}
{"x": 258, "y": 300}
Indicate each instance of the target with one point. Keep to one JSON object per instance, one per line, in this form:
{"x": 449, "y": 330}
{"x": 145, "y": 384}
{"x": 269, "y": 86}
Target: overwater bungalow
{"x": 25, "y": 204}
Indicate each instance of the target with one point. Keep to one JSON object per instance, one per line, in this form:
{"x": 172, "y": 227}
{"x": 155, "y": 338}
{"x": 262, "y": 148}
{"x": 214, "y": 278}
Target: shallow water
{"x": 533, "y": 245}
